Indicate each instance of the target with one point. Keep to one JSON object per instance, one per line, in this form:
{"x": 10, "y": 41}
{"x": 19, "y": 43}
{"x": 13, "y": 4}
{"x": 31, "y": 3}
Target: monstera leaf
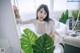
{"x": 44, "y": 44}
{"x": 27, "y": 40}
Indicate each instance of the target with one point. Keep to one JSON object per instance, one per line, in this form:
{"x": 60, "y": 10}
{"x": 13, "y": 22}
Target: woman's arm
{"x": 19, "y": 21}
{"x": 16, "y": 11}
{"x": 52, "y": 36}
{"x": 53, "y": 31}
{"x": 57, "y": 33}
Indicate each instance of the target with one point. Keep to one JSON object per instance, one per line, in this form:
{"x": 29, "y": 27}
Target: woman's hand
{"x": 16, "y": 11}
{"x": 52, "y": 36}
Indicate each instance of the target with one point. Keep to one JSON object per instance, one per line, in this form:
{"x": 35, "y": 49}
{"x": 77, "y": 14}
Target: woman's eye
{"x": 40, "y": 11}
{"x": 45, "y": 13}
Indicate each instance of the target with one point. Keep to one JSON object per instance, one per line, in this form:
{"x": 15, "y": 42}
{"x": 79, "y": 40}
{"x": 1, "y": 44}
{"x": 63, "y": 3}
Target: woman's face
{"x": 41, "y": 14}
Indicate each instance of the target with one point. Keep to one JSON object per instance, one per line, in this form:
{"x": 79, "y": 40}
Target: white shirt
{"x": 41, "y": 27}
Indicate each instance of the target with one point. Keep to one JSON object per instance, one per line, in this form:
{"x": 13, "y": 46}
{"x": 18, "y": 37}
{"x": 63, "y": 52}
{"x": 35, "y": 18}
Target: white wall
{"x": 8, "y": 32}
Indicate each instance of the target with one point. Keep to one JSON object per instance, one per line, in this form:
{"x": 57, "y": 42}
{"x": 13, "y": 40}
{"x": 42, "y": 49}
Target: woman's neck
{"x": 41, "y": 21}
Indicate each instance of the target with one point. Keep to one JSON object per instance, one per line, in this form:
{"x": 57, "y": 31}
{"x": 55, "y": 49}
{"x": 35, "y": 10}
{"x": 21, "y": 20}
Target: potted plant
{"x": 64, "y": 17}
{"x": 75, "y": 14}
{"x": 31, "y": 43}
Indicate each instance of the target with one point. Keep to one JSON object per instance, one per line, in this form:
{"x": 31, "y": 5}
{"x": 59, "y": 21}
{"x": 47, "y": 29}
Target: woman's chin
{"x": 41, "y": 20}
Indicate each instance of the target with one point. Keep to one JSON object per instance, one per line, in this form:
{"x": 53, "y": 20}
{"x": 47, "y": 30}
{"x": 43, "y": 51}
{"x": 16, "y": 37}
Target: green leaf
{"x": 75, "y": 14}
{"x": 44, "y": 44}
{"x": 27, "y": 40}
{"x": 64, "y": 17}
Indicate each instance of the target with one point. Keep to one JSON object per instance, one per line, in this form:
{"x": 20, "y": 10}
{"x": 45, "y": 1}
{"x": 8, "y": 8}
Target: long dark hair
{"x": 46, "y": 10}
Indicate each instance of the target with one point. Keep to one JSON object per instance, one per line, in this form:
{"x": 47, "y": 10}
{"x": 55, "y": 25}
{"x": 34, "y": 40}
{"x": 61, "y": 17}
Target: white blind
{"x": 56, "y": 5}
{"x": 26, "y": 5}
{"x": 31, "y": 5}
{"x": 47, "y": 2}
{"x": 61, "y": 5}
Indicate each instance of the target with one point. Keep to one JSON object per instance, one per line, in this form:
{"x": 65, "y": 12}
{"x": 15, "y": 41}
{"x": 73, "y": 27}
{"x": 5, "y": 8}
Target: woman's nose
{"x": 42, "y": 14}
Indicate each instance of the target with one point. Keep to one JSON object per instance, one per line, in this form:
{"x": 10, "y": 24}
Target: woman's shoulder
{"x": 51, "y": 21}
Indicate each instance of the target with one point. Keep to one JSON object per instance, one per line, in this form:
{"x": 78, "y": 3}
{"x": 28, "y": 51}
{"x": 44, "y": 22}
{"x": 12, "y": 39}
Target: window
{"x": 31, "y": 5}
{"x": 60, "y": 5}
{"x": 72, "y": 5}
{"x": 26, "y": 5}
{"x": 47, "y": 2}
{"x": 64, "y": 4}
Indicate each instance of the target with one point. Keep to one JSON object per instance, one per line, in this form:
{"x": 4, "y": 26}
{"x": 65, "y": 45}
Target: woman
{"x": 43, "y": 23}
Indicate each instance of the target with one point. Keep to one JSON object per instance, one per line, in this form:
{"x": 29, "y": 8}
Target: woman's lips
{"x": 41, "y": 17}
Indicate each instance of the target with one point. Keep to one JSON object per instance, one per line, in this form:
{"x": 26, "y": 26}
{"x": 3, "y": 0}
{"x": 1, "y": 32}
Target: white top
{"x": 41, "y": 27}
